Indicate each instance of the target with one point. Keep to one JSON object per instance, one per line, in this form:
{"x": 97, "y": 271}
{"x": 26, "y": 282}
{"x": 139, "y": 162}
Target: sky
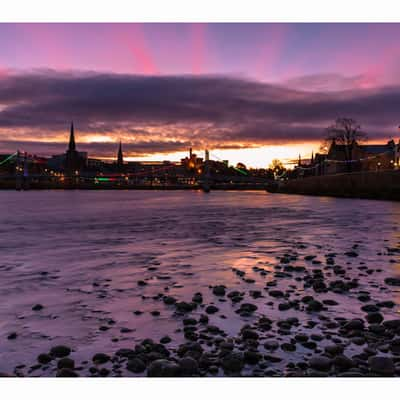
{"x": 248, "y": 92}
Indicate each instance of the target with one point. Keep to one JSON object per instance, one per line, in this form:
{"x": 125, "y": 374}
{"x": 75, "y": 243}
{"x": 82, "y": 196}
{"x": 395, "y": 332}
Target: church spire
{"x": 71, "y": 145}
{"x": 120, "y": 159}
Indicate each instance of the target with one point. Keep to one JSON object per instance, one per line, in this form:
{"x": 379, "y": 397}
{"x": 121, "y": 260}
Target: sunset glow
{"x": 248, "y": 92}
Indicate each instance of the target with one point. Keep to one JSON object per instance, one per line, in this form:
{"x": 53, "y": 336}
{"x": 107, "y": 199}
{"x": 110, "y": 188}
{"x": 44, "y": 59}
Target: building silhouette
{"x": 120, "y": 158}
{"x": 74, "y": 161}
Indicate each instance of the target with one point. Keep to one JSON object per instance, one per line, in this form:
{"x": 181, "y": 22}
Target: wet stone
{"x": 381, "y": 365}
{"x": 12, "y": 336}
{"x": 233, "y": 362}
{"x": 60, "y": 351}
{"x": 197, "y": 298}
{"x": 374, "y": 318}
{"x": 169, "y": 300}
{"x": 188, "y": 366}
{"x": 163, "y": 368}
{"x": 219, "y": 290}
{"x": 66, "y": 363}
{"x": 320, "y": 363}
{"x": 100, "y": 358}
{"x": 44, "y": 358}
{"x": 66, "y": 373}
{"x": 392, "y": 281}
{"x": 135, "y": 365}
{"x": 165, "y": 340}
{"x": 211, "y": 309}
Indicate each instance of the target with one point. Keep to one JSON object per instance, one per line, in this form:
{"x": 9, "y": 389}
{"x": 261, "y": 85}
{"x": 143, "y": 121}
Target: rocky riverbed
{"x": 189, "y": 284}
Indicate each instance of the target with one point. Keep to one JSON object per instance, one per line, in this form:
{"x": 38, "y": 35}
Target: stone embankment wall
{"x": 373, "y": 185}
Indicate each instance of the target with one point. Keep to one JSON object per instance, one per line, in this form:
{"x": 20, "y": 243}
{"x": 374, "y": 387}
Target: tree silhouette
{"x": 346, "y": 132}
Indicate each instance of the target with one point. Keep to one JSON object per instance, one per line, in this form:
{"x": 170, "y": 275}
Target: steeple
{"x": 299, "y": 163}
{"x": 312, "y": 157}
{"x": 71, "y": 145}
{"x": 120, "y": 159}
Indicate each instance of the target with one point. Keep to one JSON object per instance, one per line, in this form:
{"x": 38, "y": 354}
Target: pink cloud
{"x": 136, "y": 42}
{"x": 198, "y": 34}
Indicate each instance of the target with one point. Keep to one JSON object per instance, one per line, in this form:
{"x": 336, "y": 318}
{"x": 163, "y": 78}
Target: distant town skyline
{"x": 248, "y": 92}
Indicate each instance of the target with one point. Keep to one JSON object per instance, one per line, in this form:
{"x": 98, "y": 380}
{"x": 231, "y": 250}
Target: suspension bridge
{"x": 23, "y": 171}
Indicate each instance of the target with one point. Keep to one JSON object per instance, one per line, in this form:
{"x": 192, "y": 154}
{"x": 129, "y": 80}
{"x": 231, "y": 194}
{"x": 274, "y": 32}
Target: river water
{"x": 81, "y": 254}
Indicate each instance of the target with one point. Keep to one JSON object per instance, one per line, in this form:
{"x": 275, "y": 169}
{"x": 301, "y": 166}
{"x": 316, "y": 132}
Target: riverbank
{"x": 131, "y": 283}
{"x": 378, "y": 185}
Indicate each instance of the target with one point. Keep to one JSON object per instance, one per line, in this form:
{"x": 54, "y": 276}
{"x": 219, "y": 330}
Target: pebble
{"x": 211, "y": 309}
{"x": 135, "y": 365}
{"x": 381, "y": 365}
{"x": 320, "y": 363}
{"x": 60, "y": 351}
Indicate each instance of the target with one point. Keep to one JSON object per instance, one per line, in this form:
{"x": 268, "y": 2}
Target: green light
{"x": 8, "y": 158}
{"x": 103, "y": 179}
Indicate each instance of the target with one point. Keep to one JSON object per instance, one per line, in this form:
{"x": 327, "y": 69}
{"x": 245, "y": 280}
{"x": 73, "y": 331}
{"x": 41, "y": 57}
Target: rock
{"x": 392, "y": 281}
{"x": 66, "y": 373}
{"x": 314, "y": 306}
{"x": 37, "y": 307}
{"x": 284, "y": 306}
{"x": 126, "y": 330}
{"x": 155, "y": 313}
{"x": 374, "y": 318}
{"x": 219, "y": 290}
{"x": 330, "y": 302}
{"x": 276, "y": 293}
{"x": 247, "y": 307}
{"x": 60, "y": 351}
{"x": 342, "y": 363}
{"x": 354, "y": 325}
{"x": 203, "y": 319}
{"x": 393, "y": 324}
{"x": 381, "y": 365}
{"x": 251, "y": 357}
{"x": 12, "y": 336}
{"x": 197, "y": 298}
{"x": 288, "y": 347}
{"x": 100, "y": 358}
{"x": 351, "y": 254}
{"x": 301, "y": 337}
{"x": 104, "y": 372}
{"x": 165, "y": 340}
{"x": 125, "y": 353}
{"x": 370, "y": 308}
{"x": 233, "y": 362}
{"x": 386, "y": 304}
{"x": 142, "y": 283}
{"x": 211, "y": 309}
{"x": 66, "y": 362}
{"x": 163, "y": 368}
{"x": 271, "y": 344}
{"x": 191, "y": 349}
{"x": 169, "y": 300}
{"x": 334, "y": 350}
{"x": 320, "y": 363}
{"x": 188, "y": 366}
{"x": 44, "y": 358}
{"x": 184, "y": 307}
{"x": 249, "y": 334}
{"x": 136, "y": 365}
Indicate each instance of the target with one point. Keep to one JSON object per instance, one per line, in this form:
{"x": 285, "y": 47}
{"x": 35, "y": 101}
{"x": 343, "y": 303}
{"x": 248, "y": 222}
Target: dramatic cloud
{"x": 169, "y": 113}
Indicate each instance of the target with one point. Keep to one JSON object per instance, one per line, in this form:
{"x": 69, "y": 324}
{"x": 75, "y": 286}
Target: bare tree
{"x": 346, "y": 132}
